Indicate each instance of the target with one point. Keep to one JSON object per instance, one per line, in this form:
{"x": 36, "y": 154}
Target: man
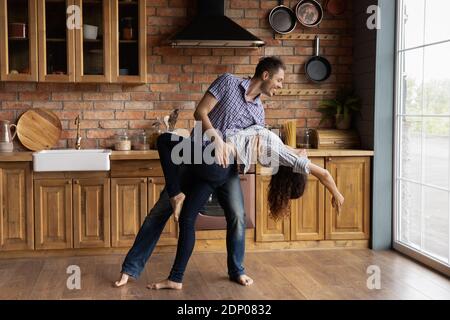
{"x": 231, "y": 103}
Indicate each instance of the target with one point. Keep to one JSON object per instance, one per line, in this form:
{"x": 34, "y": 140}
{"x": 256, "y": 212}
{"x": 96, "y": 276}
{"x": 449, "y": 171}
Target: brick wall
{"x": 177, "y": 78}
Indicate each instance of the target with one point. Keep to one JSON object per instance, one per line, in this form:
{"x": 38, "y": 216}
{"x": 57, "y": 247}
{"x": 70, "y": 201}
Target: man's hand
{"x": 222, "y": 152}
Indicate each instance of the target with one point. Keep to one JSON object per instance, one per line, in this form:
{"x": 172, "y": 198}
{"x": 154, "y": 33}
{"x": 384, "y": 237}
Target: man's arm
{"x": 205, "y": 105}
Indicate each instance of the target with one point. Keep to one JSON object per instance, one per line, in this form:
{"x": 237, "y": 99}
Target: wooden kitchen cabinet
{"x": 128, "y": 41}
{"x": 352, "y": 177}
{"x": 169, "y": 235}
{"x": 128, "y": 209}
{"x": 312, "y": 217}
{"x": 18, "y": 50}
{"x": 16, "y": 207}
{"x": 56, "y": 42}
{"x": 53, "y": 213}
{"x": 91, "y": 213}
{"x": 307, "y": 213}
{"x": 268, "y": 229}
{"x": 93, "y": 56}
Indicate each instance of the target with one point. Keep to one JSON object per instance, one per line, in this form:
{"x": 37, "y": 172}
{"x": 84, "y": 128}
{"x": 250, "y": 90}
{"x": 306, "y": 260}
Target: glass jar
{"x": 141, "y": 141}
{"x": 122, "y": 142}
{"x": 127, "y": 30}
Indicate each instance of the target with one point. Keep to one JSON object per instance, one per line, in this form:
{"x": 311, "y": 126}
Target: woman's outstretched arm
{"x": 327, "y": 180}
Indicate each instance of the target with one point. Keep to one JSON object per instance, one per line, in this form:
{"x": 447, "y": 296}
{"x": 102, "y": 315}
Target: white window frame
{"x": 397, "y": 244}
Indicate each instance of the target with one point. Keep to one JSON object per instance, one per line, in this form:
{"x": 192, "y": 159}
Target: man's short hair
{"x": 270, "y": 64}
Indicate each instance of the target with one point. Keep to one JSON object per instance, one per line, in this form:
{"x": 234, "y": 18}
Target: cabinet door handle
{"x": 150, "y": 180}
{"x": 147, "y": 168}
{"x": 143, "y": 180}
{"x": 329, "y": 159}
{"x": 76, "y": 181}
{"x": 68, "y": 182}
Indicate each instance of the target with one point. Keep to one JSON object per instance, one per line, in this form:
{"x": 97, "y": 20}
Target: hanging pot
{"x": 282, "y": 19}
{"x": 309, "y": 13}
{"x": 317, "y": 69}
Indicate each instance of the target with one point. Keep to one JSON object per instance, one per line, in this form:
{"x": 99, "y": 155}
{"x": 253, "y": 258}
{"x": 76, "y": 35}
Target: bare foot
{"x": 177, "y": 204}
{"x": 165, "y": 284}
{"x": 243, "y": 280}
{"x": 123, "y": 280}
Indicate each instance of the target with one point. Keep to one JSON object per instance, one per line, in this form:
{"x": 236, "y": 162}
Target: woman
{"x": 249, "y": 145}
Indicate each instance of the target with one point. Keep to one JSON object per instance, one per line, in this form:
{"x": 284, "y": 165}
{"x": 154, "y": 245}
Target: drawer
{"x": 136, "y": 168}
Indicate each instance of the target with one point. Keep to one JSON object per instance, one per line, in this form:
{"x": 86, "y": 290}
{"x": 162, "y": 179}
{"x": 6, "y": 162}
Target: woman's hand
{"x": 337, "y": 201}
{"x": 222, "y": 152}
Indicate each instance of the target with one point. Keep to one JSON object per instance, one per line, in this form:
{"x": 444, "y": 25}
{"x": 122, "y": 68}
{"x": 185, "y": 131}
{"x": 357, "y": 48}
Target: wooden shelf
{"x": 56, "y": 40}
{"x": 306, "y": 36}
{"x": 128, "y": 41}
{"x": 305, "y": 92}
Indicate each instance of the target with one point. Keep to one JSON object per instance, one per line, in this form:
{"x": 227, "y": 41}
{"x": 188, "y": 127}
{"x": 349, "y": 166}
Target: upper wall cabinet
{"x": 93, "y": 41}
{"x": 18, "y": 40}
{"x": 129, "y": 52}
{"x": 56, "y": 42}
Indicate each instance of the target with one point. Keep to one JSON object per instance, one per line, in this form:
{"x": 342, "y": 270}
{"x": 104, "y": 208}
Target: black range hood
{"x": 212, "y": 29}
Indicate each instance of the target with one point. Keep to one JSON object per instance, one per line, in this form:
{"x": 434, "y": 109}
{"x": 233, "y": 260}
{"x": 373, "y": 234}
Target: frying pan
{"x": 282, "y": 19}
{"x": 309, "y": 12}
{"x": 317, "y": 68}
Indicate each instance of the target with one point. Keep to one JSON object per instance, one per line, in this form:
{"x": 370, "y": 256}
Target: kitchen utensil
{"x": 166, "y": 122}
{"x": 309, "y": 13}
{"x": 334, "y": 139}
{"x": 282, "y": 19}
{"x": 317, "y": 68}
{"x": 39, "y": 129}
{"x": 335, "y": 7}
{"x": 5, "y": 131}
{"x": 17, "y": 30}
{"x": 90, "y": 32}
{"x": 173, "y": 119}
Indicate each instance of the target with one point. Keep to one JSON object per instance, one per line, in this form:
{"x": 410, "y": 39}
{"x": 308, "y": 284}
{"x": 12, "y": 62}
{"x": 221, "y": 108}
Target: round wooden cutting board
{"x": 39, "y": 129}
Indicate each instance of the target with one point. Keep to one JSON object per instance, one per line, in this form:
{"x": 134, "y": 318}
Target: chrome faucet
{"x": 78, "y": 141}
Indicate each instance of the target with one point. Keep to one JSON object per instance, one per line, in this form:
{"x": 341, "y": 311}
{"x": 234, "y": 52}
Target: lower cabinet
{"x": 128, "y": 209}
{"x": 91, "y": 213}
{"x": 72, "y": 213}
{"x": 312, "y": 217}
{"x": 131, "y": 200}
{"x": 16, "y": 206}
{"x": 169, "y": 235}
{"x": 53, "y": 213}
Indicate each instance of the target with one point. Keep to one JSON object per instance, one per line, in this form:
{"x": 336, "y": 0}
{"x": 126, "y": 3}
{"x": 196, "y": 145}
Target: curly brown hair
{"x": 284, "y": 185}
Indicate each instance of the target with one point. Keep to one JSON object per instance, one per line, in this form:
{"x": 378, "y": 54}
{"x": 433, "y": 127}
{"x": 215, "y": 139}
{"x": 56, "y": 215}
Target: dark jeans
{"x": 230, "y": 197}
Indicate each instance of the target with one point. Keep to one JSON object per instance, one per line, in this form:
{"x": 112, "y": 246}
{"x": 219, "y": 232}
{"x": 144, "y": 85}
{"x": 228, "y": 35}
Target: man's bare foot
{"x": 166, "y": 284}
{"x": 123, "y": 280}
{"x": 243, "y": 280}
{"x": 177, "y": 204}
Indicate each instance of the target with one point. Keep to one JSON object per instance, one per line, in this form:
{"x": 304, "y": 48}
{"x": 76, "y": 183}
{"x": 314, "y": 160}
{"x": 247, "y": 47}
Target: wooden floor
{"x": 318, "y": 274}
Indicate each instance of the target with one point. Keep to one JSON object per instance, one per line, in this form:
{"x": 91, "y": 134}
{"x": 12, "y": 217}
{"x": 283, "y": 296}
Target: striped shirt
{"x": 272, "y": 151}
{"x": 233, "y": 112}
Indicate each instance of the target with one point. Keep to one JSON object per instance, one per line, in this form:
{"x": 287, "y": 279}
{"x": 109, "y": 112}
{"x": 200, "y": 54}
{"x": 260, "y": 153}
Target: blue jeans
{"x": 231, "y": 199}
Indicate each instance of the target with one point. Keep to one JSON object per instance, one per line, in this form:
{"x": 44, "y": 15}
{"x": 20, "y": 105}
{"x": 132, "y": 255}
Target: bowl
{"x": 90, "y": 32}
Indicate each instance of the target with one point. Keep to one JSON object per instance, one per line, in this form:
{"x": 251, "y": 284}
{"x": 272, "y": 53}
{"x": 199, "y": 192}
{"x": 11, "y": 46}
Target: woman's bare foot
{"x": 177, "y": 204}
{"x": 123, "y": 280}
{"x": 243, "y": 280}
{"x": 166, "y": 284}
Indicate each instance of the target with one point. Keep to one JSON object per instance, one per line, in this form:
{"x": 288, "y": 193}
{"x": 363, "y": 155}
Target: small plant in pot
{"x": 341, "y": 108}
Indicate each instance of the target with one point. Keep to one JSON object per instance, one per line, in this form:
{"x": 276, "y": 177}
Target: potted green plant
{"x": 341, "y": 108}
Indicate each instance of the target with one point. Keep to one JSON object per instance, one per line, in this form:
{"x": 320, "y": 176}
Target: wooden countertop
{"x": 16, "y": 156}
{"x": 153, "y": 154}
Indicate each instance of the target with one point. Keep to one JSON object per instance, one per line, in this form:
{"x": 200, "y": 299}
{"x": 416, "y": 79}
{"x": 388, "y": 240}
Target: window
{"x": 422, "y": 135}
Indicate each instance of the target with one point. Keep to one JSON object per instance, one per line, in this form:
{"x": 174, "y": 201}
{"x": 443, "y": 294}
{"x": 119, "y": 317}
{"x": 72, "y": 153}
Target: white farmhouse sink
{"x": 72, "y": 160}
